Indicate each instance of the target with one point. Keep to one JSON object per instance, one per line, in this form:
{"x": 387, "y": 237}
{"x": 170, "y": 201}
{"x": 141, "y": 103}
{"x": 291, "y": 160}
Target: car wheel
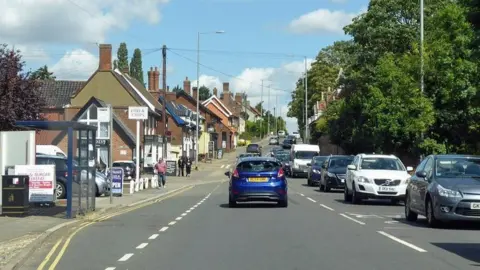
{"x": 346, "y": 197}
{"x": 327, "y": 188}
{"x": 309, "y": 183}
{"x": 60, "y": 191}
{"x": 231, "y": 203}
{"x": 395, "y": 201}
{"x": 322, "y": 187}
{"x": 431, "y": 219}
{"x": 409, "y": 214}
{"x": 284, "y": 203}
{"x": 97, "y": 192}
{"x": 355, "y": 199}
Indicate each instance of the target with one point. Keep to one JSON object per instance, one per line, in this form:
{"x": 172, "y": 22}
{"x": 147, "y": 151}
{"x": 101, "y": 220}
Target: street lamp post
{"x": 197, "y": 144}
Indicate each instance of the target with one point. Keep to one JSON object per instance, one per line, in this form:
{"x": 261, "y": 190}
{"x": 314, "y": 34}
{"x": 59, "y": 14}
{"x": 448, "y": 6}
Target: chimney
{"x": 215, "y": 92}
{"x": 194, "y": 94}
{"x": 126, "y": 70}
{"x": 238, "y": 98}
{"x": 156, "y": 79}
{"x": 150, "y": 79}
{"x": 187, "y": 86}
{"x": 105, "y": 63}
{"x": 226, "y": 87}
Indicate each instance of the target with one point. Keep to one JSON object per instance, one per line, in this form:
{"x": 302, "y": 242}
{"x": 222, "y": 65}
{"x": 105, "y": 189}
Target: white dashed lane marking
{"x": 163, "y": 229}
{"x": 172, "y": 223}
{"x": 327, "y": 207}
{"x": 178, "y": 218}
{"x": 352, "y": 219}
{"x": 405, "y": 243}
{"x": 303, "y": 195}
{"x": 153, "y": 236}
{"x": 110, "y": 268}
{"x": 310, "y": 199}
{"x": 125, "y": 257}
{"x": 222, "y": 166}
{"x": 184, "y": 214}
{"x": 142, "y": 245}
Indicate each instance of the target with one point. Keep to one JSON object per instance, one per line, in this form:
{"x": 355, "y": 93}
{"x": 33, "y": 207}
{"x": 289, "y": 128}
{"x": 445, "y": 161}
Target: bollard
{"x": 140, "y": 186}
{"x": 146, "y": 183}
{"x": 132, "y": 186}
{"x": 137, "y": 185}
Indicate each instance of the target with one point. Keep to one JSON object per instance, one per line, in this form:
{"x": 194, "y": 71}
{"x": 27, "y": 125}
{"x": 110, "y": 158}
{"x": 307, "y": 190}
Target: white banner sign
{"x": 41, "y": 183}
{"x": 103, "y": 114}
{"x": 138, "y": 113}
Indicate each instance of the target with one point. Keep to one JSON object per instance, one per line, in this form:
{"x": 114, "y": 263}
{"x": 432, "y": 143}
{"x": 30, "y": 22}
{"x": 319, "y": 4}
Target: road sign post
{"x": 139, "y": 114}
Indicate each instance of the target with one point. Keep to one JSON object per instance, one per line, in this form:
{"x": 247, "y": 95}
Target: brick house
{"x": 227, "y": 130}
{"x": 229, "y": 101}
{"x": 108, "y": 86}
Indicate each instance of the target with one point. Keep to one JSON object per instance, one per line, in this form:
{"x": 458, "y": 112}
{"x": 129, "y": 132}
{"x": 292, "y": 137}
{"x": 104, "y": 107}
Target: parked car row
{"x": 443, "y": 187}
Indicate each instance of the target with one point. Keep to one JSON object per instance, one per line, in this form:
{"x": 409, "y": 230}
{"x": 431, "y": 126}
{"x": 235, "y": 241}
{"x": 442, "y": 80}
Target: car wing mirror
{"x": 421, "y": 174}
{"x": 227, "y": 173}
{"x": 351, "y": 167}
{"x": 309, "y": 164}
{"x": 409, "y": 168}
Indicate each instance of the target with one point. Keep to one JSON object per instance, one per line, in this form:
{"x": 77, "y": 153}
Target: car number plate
{"x": 386, "y": 189}
{"x": 475, "y": 206}
{"x": 258, "y": 179}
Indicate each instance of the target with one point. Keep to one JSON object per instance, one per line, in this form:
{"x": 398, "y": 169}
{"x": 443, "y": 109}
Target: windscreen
{"x": 457, "y": 167}
{"x": 379, "y": 163}
{"x": 305, "y": 154}
{"x": 258, "y": 166}
{"x": 282, "y": 156}
{"x": 252, "y": 147}
{"x": 318, "y": 161}
{"x": 340, "y": 162}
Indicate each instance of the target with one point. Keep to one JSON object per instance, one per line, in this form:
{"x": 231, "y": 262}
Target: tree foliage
{"x": 379, "y": 105}
{"x": 42, "y": 74}
{"x": 136, "y": 70}
{"x": 204, "y": 93}
{"x": 177, "y": 88}
{"x": 122, "y": 57}
{"x": 19, "y": 91}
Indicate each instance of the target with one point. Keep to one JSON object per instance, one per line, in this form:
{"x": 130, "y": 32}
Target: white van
{"x": 300, "y": 156}
{"x": 51, "y": 150}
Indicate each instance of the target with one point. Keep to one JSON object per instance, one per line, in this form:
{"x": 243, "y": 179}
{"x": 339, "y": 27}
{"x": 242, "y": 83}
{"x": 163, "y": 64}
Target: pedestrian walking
{"x": 181, "y": 166}
{"x": 161, "y": 168}
{"x": 188, "y": 166}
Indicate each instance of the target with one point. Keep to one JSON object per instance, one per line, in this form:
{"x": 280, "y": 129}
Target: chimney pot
{"x": 194, "y": 93}
{"x": 226, "y": 87}
{"x": 215, "y": 92}
{"x": 156, "y": 79}
{"x": 187, "y": 86}
{"x": 105, "y": 59}
{"x": 150, "y": 79}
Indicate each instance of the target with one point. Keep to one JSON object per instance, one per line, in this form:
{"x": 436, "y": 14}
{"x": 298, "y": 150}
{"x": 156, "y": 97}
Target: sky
{"x": 262, "y": 40}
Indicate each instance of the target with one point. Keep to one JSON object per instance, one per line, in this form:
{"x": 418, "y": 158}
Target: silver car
{"x": 273, "y": 141}
{"x": 445, "y": 188}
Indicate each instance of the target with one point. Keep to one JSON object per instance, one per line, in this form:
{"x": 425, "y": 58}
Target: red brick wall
{"x": 45, "y": 137}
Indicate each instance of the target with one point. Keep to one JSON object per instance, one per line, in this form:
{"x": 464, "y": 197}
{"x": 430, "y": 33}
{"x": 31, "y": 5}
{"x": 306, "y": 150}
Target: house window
{"x": 89, "y": 117}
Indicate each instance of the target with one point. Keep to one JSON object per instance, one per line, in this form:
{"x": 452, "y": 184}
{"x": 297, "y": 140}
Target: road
{"x": 196, "y": 230}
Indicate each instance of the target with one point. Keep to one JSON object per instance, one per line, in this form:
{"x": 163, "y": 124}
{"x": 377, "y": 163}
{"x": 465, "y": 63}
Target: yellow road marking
{"x": 85, "y": 224}
{"x": 47, "y": 258}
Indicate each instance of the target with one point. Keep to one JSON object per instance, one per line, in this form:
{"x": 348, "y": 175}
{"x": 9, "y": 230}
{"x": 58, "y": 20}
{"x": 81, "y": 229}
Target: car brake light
{"x": 74, "y": 173}
{"x": 235, "y": 174}
{"x": 280, "y": 173}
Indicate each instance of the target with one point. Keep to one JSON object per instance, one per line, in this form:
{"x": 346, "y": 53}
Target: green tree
{"x": 122, "y": 57}
{"x": 204, "y": 93}
{"x": 42, "y": 73}
{"x": 177, "y": 88}
{"x": 136, "y": 70}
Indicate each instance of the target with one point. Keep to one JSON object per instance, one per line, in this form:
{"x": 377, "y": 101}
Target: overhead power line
{"x": 223, "y": 73}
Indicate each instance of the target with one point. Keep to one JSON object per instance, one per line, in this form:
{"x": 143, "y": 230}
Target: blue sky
{"x": 68, "y": 45}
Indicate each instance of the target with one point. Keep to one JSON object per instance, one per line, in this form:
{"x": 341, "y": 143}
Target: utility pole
{"x": 261, "y": 112}
{"x": 276, "y": 118}
{"x": 306, "y": 101}
{"x": 269, "y": 112}
{"x": 422, "y": 83}
{"x": 164, "y": 93}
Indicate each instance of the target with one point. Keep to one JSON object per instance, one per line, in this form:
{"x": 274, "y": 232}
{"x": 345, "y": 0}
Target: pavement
{"x": 195, "y": 229}
{"x": 26, "y": 234}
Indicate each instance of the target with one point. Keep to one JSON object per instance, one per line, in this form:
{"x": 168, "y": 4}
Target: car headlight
{"x": 316, "y": 171}
{"x": 448, "y": 193}
{"x": 330, "y": 175}
{"x": 362, "y": 179}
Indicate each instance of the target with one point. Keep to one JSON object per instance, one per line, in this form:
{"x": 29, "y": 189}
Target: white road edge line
{"x": 352, "y": 219}
{"x": 405, "y": 243}
{"x": 310, "y": 199}
{"x": 125, "y": 257}
{"x": 153, "y": 236}
{"x": 172, "y": 223}
{"x": 110, "y": 268}
{"x": 163, "y": 229}
{"x": 326, "y": 207}
{"x": 178, "y": 218}
{"x": 142, "y": 245}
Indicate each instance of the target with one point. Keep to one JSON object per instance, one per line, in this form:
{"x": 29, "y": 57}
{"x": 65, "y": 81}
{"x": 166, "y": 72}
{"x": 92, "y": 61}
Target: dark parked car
{"x": 254, "y": 148}
{"x": 445, "y": 188}
{"x": 128, "y": 166}
{"x": 292, "y": 138}
{"x": 284, "y": 157}
{"x": 334, "y": 171}
{"x": 287, "y": 144}
{"x": 315, "y": 171}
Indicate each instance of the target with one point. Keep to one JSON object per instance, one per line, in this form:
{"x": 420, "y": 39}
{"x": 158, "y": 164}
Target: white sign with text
{"x": 41, "y": 183}
{"x": 138, "y": 113}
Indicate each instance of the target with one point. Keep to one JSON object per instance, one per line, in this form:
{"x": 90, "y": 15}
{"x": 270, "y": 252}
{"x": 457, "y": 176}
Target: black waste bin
{"x": 15, "y": 191}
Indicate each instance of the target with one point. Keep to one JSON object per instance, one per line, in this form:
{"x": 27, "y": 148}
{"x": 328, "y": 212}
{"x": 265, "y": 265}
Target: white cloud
{"x": 32, "y": 53}
{"x": 321, "y": 21}
{"x": 71, "y": 21}
{"x": 282, "y": 81}
{"x": 75, "y": 65}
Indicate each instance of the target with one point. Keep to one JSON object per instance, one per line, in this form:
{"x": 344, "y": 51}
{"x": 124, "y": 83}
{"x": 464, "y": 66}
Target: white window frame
{"x": 88, "y": 121}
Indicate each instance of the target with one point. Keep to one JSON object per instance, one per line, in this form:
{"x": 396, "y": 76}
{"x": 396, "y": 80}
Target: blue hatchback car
{"x": 258, "y": 179}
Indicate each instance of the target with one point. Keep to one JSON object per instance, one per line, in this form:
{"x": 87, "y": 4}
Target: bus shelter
{"x": 81, "y": 165}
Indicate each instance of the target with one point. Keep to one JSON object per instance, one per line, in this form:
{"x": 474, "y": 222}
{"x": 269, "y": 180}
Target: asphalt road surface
{"x": 195, "y": 230}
